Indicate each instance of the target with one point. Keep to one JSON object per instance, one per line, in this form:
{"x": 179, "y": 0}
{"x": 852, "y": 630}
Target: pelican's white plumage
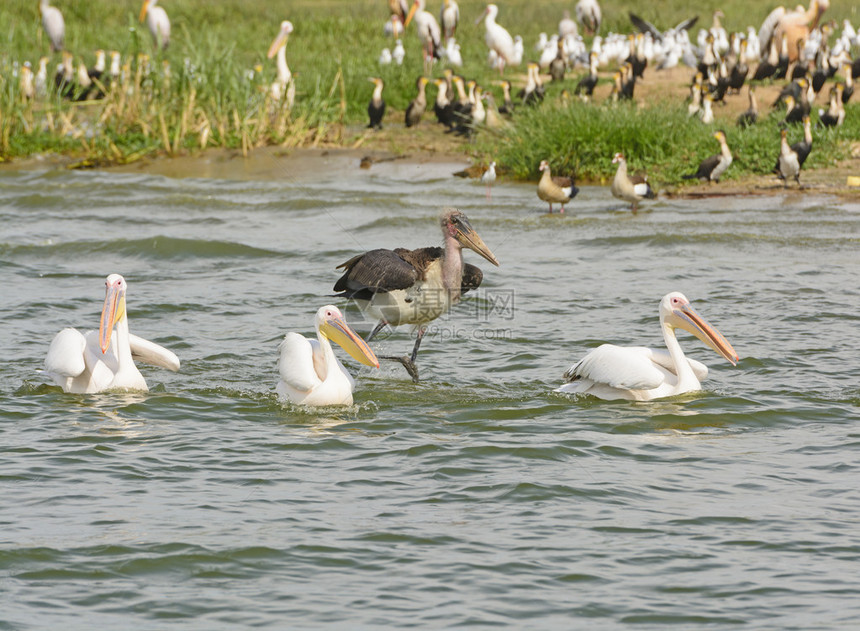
{"x": 99, "y": 360}
{"x": 310, "y": 372}
{"x": 641, "y": 374}
{"x": 279, "y": 47}
{"x": 157, "y": 22}
{"x": 54, "y": 25}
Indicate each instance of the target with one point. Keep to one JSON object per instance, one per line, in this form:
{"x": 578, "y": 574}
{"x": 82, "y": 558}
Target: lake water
{"x": 476, "y": 498}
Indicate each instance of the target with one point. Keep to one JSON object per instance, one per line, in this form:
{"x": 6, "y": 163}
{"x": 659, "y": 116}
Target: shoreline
{"x": 274, "y": 162}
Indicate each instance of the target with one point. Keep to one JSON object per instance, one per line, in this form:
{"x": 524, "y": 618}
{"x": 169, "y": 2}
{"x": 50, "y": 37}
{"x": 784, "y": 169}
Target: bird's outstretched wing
{"x": 687, "y": 24}
{"x": 645, "y": 26}
{"x": 152, "y": 353}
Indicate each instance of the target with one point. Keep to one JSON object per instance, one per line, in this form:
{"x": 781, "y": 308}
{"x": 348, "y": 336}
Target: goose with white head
{"x": 637, "y": 373}
{"x": 103, "y": 360}
{"x": 415, "y": 286}
{"x": 311, "y": 374}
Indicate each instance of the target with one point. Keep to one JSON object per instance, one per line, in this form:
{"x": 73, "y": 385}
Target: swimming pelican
{"x": 637, "y": 373}
{"x": 310, "y": 372}
{"x": 415, "y": 286}
{"x": 54, "y": 25}
{"x": 497, "y": 38}
{"x": 95, "y": 362}
{"x": 279, "y": 48}
{"x": 157, "y": 22}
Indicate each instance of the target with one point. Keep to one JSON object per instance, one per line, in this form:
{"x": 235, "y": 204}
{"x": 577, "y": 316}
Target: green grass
{"x": 332, "y": 52}
{"x": 582, "y": 139}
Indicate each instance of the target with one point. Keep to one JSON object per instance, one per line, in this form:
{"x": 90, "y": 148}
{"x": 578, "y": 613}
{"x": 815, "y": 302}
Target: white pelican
{"x": 415, "y": 286}
{"x": 99, "y": 361}
{"x": 157, "y": 22}
{"x": 54, "y": 25}
{"x": 637, "y": 373}
{"x": 279, "y": 48}
{"x": 428, "y": 31}
{"x": 310, "y": 372}
{"x": 497, "y": 38}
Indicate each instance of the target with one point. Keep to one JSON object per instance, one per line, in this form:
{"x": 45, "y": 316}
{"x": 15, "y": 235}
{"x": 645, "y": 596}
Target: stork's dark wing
{"x": 472, "y": 277}
{"x": 375, "y": 271}
{"x": 645, "y": 27}
{"x": 687, "y": 24}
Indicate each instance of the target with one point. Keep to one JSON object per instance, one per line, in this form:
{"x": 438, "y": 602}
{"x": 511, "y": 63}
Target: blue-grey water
{"x": 477, "y": 498}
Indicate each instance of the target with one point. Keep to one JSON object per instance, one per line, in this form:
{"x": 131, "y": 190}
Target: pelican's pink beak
{"x": 691, "y": 321}
{"x": 112, "y": 312}
{"x": 336, "y": 329}
{"x": 482, "y": 16}
{"x": 280, "y": 40}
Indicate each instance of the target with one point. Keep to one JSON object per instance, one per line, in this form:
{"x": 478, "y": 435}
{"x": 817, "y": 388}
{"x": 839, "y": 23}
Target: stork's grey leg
{"x": 381, "y": 325}
{"x": 409, "y": 362}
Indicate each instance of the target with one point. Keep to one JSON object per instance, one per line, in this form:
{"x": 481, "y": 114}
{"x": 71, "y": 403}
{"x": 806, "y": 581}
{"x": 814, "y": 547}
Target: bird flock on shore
{"x": 415, "y": 287}
{"x": 793, "y": 45}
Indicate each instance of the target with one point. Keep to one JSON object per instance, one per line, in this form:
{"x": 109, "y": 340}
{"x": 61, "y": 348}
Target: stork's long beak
{"x": 279, "y": 41}
{"x": 338, "y": 331}
{"x": 690, "y": 321}
{"x": 468, "y": 238}
{"x": 144, "y": 9}
{"x": 112, "y": 312}
{"x": 411, "y": 13}
{"x": 482, "y": 16}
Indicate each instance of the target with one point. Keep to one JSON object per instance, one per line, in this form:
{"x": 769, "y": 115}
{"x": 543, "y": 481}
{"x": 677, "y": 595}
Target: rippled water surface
{"x": 476, "y": 498}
